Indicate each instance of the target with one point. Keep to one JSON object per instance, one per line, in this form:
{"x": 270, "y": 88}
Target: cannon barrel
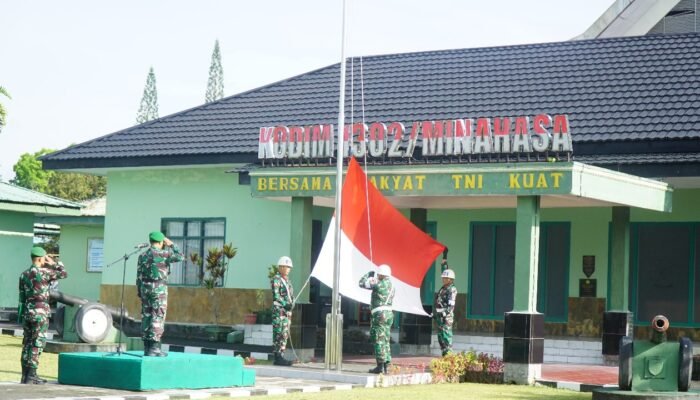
{"x": 659, "y": 325}
{"x": 81, "y": 301}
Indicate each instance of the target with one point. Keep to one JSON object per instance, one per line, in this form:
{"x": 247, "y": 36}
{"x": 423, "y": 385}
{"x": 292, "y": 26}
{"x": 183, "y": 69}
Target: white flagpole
{"x": 336, "y": 330}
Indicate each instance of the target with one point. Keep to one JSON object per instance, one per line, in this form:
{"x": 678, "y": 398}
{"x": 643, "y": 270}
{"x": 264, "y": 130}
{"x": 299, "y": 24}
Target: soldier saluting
{"x": 382, "y": 315}
{"x": 34, "y": 310}
{"x": 152, "y": 288}
{"x": 282, "y": 305}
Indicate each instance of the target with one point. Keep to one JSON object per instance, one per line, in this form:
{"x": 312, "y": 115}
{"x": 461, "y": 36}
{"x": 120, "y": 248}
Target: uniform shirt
{"x": 382, "y": 290}
{"x": 154, "y": 263}
{"x": 446, "y": 299}
{"x": 34, "y": 285}
{"x": 282, "y": 292}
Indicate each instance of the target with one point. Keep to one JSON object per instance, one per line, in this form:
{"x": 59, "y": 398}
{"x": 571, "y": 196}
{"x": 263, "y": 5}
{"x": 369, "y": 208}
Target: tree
{"x": 69, "y": 186}
{"x": 149, "y": 102}
{"x": 215, "y": 85}
{"x": 77, "y": 187}
{"x": 3, "y": 112}
{"x": 29, "y": 174}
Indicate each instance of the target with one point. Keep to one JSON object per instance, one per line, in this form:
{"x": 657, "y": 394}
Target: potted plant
{"x": 213, "y": 270}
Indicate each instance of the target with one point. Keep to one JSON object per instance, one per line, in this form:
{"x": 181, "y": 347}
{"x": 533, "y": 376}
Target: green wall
{"x": 73, "y": 245}
{"x": 15, "y": 245}
{"x": 589, "y": 233}
{"x": 138, "y": 199}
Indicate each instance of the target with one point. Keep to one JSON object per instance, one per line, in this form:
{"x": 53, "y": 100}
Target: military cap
{"x": 156, "y": 236}
{"x": 38, "y": 251}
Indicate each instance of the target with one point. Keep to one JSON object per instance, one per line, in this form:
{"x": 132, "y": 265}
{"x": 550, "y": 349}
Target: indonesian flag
{"x": 395, "y": 241}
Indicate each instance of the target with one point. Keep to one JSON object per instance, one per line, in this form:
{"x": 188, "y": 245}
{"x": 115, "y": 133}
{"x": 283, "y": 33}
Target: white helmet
{"x": 448, "y": 273}
{"x": 384, "y": 270}
{"x": 284, "y": 260}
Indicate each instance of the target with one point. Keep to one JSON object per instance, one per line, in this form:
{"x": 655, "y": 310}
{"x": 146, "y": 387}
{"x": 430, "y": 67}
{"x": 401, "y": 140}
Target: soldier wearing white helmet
{"x": 282, "y": 305}
{"x": 382, "y": 314}
{"x": 444, "y": 310}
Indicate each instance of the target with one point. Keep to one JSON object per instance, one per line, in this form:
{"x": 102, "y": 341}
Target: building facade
{"x": 617, "y": 238}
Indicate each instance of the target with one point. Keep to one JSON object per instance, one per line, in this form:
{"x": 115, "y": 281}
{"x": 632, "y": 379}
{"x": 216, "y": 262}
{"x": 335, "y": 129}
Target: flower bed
{"x": 467, "y": 367}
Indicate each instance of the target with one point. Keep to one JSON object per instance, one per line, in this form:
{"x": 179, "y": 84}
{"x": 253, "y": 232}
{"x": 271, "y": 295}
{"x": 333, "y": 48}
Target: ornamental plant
{"x": 467, "y": 367}
{"x": 213, "y": 270}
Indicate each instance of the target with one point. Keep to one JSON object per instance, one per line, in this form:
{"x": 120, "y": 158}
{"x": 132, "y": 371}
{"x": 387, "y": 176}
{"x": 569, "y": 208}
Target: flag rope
{"x": 291, "y": 342}
{"x": 362, "y": 104}
{"x": 365, "y": 139}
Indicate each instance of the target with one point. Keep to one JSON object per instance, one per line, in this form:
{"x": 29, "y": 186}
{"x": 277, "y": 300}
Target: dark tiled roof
{"x": 634, "y": 89}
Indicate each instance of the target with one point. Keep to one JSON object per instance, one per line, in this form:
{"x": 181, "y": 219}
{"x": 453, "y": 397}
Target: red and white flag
{"x": 395, "y": 241}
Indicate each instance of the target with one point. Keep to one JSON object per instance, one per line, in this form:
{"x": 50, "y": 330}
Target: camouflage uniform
{"x": 34, "y": 299}
{"x": 152, "y": 287}
{"x": 382, "y": 315}
{"x": 282, "y": 304}
{"x": 444, "y": 316}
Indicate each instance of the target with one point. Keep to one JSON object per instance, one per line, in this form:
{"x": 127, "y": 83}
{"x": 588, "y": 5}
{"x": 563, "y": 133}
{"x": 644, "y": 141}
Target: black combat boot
{"x": 155, "y": 347}
{"x": 33, "y": 378}
{"x": 378, "y": 369}
{"x": 281, "y": 361}
{"x": 24, "y": 375}
{"x": 148, "y": 348}
{"x": 387, "y": 366}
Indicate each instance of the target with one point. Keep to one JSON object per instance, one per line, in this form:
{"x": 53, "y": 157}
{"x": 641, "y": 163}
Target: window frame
{"x": 541, "y": 265}
{"x": 633, "y": 284}
{"x": 201, "y": 238}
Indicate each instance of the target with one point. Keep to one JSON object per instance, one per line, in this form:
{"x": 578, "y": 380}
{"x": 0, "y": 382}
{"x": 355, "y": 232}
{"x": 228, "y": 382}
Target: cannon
{"x": 92, "y": 320}
{"x": 655, "y": 365}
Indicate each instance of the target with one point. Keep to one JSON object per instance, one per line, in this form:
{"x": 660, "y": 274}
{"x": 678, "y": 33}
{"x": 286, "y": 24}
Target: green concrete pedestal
{"x": 614, "y": 394}
{"x": 132, "y": 371}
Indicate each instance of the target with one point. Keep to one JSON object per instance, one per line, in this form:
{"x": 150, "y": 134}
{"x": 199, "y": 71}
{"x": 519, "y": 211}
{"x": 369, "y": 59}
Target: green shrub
{"x": 467, "y": 367}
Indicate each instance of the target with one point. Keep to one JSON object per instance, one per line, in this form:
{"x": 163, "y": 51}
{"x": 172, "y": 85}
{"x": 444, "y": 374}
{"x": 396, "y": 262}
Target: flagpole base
{"x": 334, "y": 342}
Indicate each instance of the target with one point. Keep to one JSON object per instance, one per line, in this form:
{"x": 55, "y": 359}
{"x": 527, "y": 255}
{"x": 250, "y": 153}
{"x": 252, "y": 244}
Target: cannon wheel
{"x": 92, "y": 323}
{"x": 624, "y": 379}
{"x": 685, "y": 363}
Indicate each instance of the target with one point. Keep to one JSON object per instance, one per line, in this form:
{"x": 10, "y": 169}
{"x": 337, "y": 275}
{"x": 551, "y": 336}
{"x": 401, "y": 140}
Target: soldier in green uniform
{"x": 34, "y": 309}
{"x": 282, "y": 305}
{"x": 382, "y": 315}
{"x": 445, "y": 309}
{"x": 152, "y": 288}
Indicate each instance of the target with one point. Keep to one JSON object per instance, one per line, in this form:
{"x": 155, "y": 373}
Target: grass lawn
{"x": 10, "y": 368}
{"x": 461, "y": 391}
{"x": 10, "y": 371}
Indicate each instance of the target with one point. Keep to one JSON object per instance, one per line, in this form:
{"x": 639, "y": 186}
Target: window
{"x": 492, "y": 269}
{"x": 664, "y": 272}
{"x": 193, "y": 236}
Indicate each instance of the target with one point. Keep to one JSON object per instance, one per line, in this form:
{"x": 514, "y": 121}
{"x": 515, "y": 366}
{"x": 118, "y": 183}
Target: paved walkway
{"x": 263, "y": 386}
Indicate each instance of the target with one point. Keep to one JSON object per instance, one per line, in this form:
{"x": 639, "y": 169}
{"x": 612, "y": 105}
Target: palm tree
{"x": 3, "y": 113}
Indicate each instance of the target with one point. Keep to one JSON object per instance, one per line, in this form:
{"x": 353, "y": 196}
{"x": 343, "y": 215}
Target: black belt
{"x": 153, "y": 280}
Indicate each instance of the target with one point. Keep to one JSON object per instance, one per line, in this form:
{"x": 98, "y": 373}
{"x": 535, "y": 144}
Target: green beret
{"x": 38, "y": 251}
{"x": 156, "y": 236}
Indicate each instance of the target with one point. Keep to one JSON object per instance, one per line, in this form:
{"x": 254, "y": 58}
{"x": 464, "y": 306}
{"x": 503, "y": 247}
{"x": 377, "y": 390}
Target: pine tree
{"x": 3, "y": 112}
{"x": 215, "y": 85}
{"x": 149, "y": 102}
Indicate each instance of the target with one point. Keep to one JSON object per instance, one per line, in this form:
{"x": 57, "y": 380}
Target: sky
{"x": 76, "y": 69}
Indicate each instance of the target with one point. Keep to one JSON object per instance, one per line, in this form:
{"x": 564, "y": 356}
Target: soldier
{"x": 152, "y": 288}
{"x": 444, "y": 310}
{"x": 382, "y": 315}
{"x": 282, "y": 305}
{"x": 34, "y": 309}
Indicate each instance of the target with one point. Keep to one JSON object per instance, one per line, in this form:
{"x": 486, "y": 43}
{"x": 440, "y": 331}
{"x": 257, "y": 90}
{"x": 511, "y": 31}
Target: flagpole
{"x": 336, "y": 319}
